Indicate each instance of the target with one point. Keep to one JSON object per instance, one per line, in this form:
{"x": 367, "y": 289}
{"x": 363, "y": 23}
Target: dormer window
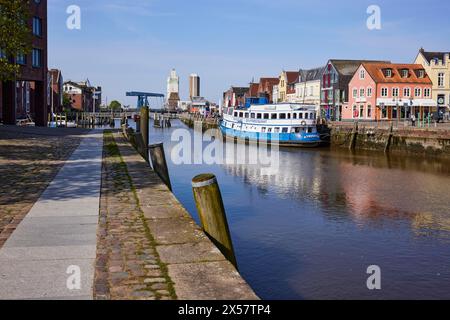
{"x": 405, "y": 73}
{"x": 362, "y": 74}
{"x": 421, "y": 73}
{"x": 388, "y": 73}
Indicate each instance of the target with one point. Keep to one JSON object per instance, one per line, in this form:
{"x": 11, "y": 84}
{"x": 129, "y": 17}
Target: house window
{"x": 37, "y": 58}
{"x": 441, "y": 80}
{"x": 418, "y": 92}
{"x": 362, "y": 74}
{"x": 361, "y": 111}
{"x": 21, "y": 59}
{"x": 369, "y": 91}
{"x": 37, "y": 26}
{"x": 355, "y": 93}
{"x": 405, "y": 73}
{"x": 362, "y": 93}
{"x": 395, "y": 92}
{"x": 384, "y": 92}
{"x": 427, "y": 92}
{"x": 407, "y": 92}
{"x": 369, "y": 111}
{"x": 355, "y": 113}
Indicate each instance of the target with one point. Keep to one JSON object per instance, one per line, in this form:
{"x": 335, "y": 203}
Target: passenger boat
{"x": 286, "y": 124}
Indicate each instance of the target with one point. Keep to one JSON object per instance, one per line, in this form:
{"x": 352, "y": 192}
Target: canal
{"x": 312, "y": 230}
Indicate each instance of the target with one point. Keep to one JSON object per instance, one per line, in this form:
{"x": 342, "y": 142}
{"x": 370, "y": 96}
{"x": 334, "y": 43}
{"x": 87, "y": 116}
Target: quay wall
{"x": 419, "y": 141}
{"x": 198, "y": 270}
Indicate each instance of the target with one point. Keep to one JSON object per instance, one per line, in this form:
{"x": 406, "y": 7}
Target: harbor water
{"x": 312, "y": 230}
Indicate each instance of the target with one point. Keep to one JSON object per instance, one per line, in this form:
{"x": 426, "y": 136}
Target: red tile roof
{"x": 376, "y": 71}
{"x": 292, "y": 76}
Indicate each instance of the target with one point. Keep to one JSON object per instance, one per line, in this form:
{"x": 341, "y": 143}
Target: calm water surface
{"x": 311, "y": 231}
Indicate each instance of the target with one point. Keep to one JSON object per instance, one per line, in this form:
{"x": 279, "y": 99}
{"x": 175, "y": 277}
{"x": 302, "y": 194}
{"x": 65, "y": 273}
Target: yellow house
{"x": 437, "y": 66}
{"x": 286, "y": 87}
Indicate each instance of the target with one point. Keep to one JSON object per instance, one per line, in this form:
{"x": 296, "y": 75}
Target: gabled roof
{"x": 253, "y": 90}
{"x": 310, "y": 75}
{"x": 268, "y": 83}
{"x": 375, "y": 70}
{"x": 292, "y": 76}
{"x": 349, "y": 67}
{"x": 430, "y": 55}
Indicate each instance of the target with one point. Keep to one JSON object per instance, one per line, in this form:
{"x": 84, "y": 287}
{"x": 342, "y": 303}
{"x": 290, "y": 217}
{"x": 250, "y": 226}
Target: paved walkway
{"x": 59, "y": 234}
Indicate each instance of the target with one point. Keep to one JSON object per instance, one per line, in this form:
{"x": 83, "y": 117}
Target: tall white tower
{"x": 173, "y": 83}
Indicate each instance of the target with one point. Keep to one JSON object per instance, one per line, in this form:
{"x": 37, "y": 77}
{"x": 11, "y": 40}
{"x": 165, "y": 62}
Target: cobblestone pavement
{"x": 29, "y": 160}
{"x": 128, "y": 265}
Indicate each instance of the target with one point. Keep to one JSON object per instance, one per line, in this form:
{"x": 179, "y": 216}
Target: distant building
{"x": 200, "y": 105}
{"x": 184, "y": 105}
{"x": 334, "y": 85}
{"x": 83, "y": 96}
{"x": 286, "y": 86}
{"x": 28, "y": 95}
{"x": 437, "y": 66}
{"x": 265, "y": 88}
{"x": 388, "y": 91}
{"x": 307, "y": 89}
{"x": 56, "y": 91}
{"x": 173, "y": 90}
{"x": 235, "y": 97}
{"x": 194, "y": 86}
{"x": 276, "y": 94}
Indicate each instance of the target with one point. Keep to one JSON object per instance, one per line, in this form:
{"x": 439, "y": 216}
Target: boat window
{"x": 241, "y": 114}
{"x": 300, "y": 115}
{"x": 266, "y": 116}
{"x": 283, "y": 116}
{"x": 273, "y": 116}
{"x": 306, "y": 115}
{"x": 294, "y": 115}
{"x": 285, "y": 130}
{"x": 311, "y": 115}
{"x": 298, "y": 130}
{"x": 247, "y": 115}
{"x": 277, "y": 130}
{"x": 235, "y": 113}
{"x": 269, "y": 130}
{"x": 263, "y": 129}
{"x": 289, "y": 115}
{"x": 310, "y": 130}
{"x": 253, "y": 115}
{"x": 259, "y": 116}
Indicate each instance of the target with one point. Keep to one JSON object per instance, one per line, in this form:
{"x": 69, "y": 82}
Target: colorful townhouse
{"x": 286, "y": 86}
{"x": 265, "y": 88}
{"x": 388, "y": 91}
{"x": 334, "y": 86}
{"x": 307, "y": 89}
{"x": 437, "y": 66}
{"x": 235, "y": 97}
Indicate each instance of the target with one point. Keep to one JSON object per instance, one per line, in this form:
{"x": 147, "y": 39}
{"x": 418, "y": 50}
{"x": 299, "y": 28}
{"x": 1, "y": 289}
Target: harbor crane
{"x": 143, "y": 97}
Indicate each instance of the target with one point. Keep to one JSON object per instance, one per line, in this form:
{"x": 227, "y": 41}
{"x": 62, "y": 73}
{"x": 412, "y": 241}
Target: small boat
{"x": 286, "y": 124}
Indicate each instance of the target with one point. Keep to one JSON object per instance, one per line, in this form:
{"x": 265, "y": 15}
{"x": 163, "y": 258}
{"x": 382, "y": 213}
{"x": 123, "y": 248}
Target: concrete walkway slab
{"x": 59, "y": 232}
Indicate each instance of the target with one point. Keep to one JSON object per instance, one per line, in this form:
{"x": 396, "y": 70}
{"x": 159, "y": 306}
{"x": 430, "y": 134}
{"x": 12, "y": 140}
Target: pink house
{"x": 389, "y": 91}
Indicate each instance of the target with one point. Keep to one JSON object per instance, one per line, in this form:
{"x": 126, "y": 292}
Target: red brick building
{"x": 33, "y": 75}
{"x": 265, "y": 88}
{"x": 83, "y": 96}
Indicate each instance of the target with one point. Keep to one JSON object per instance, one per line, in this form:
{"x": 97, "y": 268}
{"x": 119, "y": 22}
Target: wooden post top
{"x": 204, "y": 180}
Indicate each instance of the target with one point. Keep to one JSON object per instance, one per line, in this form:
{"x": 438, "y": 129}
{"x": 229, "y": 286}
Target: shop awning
{"x": 410, "y": 103}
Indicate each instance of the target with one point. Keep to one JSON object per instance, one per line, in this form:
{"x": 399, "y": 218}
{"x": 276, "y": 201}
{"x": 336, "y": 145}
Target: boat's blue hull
{"x": 283, "y": 139}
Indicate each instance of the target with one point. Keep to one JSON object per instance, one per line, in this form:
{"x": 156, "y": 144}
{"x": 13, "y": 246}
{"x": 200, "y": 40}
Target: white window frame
{"x": 369, "y": 92}
{"x": 426, "y": 92}
{"x": 362, "y": 74}
{"x": 409, "y": 93}
{"x": 355, "y": 93}
{"x": 418, "y": 90}
{"x": 385, "y": 89}
{"x": 362, "y": 92}
{"x": 395, "y": 92}
{"x": 441, "y": 79}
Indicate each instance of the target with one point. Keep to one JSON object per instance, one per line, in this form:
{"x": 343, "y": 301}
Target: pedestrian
{"x": 413, "y": 120}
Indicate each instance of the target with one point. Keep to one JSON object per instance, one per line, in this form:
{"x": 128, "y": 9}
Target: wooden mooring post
{"x": 159, "y": 163}
{"x": 144, "y": 129}
{"x": 208, "y": 200}
{"x": 389, "y": 139}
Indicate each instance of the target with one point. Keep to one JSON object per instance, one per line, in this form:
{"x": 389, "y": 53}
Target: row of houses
{"x": 358, "y": 89}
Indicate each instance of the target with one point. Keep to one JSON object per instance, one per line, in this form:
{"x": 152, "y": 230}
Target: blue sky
{"x": 133, "y": 44}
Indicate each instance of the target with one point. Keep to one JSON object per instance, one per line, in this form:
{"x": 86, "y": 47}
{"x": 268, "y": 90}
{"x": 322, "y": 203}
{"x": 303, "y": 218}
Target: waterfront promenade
{"x": 102, "y": 226}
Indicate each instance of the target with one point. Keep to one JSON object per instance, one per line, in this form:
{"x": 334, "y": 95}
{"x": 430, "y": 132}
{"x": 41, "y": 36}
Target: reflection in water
{"x": 311, "y": 230}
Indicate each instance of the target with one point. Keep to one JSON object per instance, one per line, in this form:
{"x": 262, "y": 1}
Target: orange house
{"x": 389, "y": 91}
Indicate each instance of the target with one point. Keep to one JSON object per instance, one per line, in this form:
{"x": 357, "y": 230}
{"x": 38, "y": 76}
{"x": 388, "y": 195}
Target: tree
{"x": 15, "y": 36}
{"x": 67, "y": 102}
{"x": 115, "y": 105}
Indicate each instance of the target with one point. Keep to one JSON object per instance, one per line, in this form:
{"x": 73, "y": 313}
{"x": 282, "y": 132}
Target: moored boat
{"x": 286, "y": 124}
